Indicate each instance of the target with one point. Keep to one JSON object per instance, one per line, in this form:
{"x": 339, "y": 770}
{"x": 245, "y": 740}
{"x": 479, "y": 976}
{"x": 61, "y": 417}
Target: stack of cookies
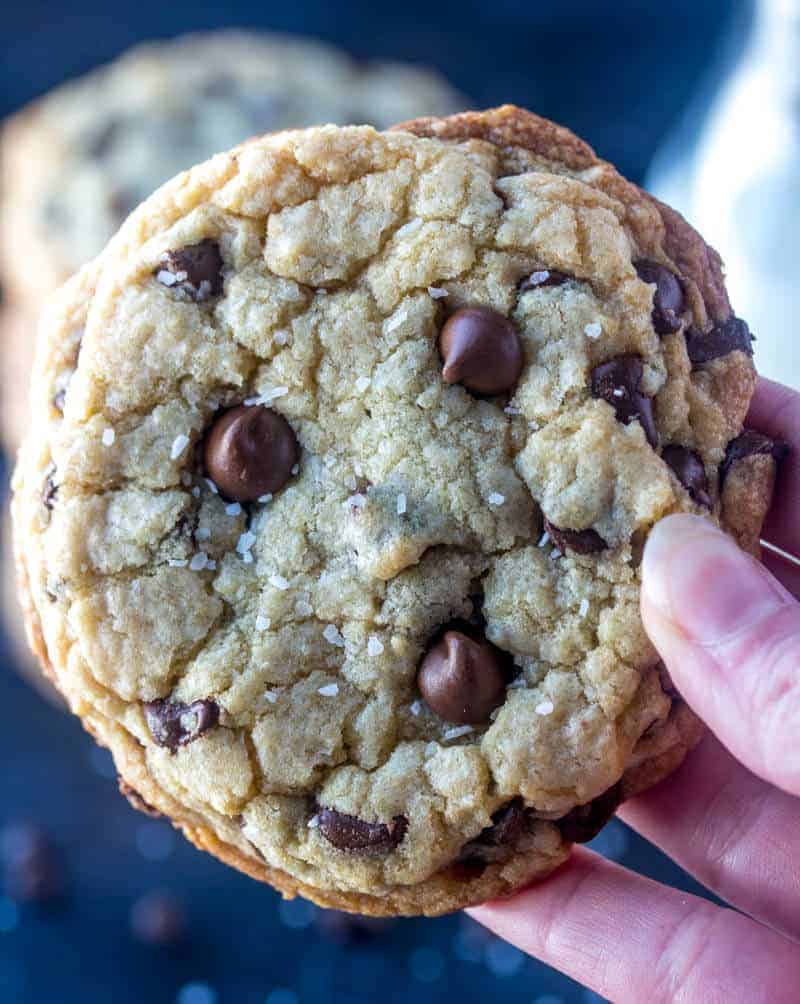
{"x": 329, "y": 516}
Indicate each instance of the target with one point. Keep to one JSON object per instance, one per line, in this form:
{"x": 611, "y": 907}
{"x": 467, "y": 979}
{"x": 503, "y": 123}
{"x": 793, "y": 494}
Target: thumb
{"x": 729, "y": 634}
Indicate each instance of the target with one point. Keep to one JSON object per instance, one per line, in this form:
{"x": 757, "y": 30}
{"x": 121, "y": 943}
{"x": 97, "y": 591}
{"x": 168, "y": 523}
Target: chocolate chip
{"x": 703, "y": 346}
{"x": 467, "y": 869}
{"x": 690, "y": 471}
{"x": 481, "y": 350}
{"x": 543, "y": 277}
{"x": 583, "y": 823}
{"x": 194, "y": 271}
{"x": 50, "y": 490}
{"x": 668, "y": 298}
{"x": 751, "y": 444}
{"x": 158, "y": 919}
{"x": 349, "y": 833}
{"x": 617, "y": 382}
{"x": 173, "y": 725}
{"x": 249, "y": 452}
{"x": 508, "y": 825}
{"x": 32, "y": 867}
{"x": 136, "y": 801}
{"x": 461, "y": 679}
{"x": 580, "y": 541}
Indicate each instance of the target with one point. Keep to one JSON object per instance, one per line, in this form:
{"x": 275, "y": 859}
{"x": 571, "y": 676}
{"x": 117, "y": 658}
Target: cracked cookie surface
{"x": 393, "y": 660}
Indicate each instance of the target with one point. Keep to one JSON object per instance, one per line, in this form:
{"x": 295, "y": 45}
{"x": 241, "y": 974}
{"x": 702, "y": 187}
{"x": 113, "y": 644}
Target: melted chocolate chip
{"x": 194, "y": 271}
{"x": 730, "y": 335}
{"x": 617, "y": 382}
{"x": 690, "y": 471}
{"x": 580, "y": 541}
{"x": 481, "y": 350}
{"x": 508, "y": 825}
{"x": 249, "y": 452}
{"x": 583, "y": 823}
{"x": 50, "y": 490}
{"x": 158, "y": 919}
{"x": 136, "y": 801}
{"x": 462, "y": 679}
{"x": 668, "y": 298}
{"x": 173, "y": 725}
{"x": 543, "y": 277}
{"x": 349, "y": 833}
{"x": 751, "y": 444}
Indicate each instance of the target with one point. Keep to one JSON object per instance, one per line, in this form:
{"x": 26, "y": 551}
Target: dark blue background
{"x": 619, "y": 73}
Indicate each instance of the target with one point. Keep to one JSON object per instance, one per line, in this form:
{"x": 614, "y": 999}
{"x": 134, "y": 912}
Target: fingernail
{"x": 700, "y": 581}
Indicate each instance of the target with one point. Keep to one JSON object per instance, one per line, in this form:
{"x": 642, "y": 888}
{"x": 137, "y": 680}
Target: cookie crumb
{"x": 179, "y": 444}
{"x": 108, "y": 437}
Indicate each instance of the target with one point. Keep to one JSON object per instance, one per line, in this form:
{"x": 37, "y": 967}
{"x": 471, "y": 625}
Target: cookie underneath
{"x": 331, "y": 528}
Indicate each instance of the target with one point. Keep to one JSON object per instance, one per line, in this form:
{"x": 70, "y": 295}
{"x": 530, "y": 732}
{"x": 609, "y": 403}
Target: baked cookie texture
{"x": 407, "y": 676}
{"x": 76, "y": 162}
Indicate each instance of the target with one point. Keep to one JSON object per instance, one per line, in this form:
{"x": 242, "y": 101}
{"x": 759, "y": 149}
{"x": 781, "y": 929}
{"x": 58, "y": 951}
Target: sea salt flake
{"x": 544, "y": 539}
{"x": 203, "y": 533}
{"x": 281, "y": 337}
{"x": 265, "y": 498}
{"x": 179, "y": 444}
{"x": 583, "y": 610}
{"x": 108, "y": 437}
{"x": 415, "y": 708}
{"x": 618, "y": 392}
{"x": 362, "y": 383}
{"x": 555, "y": 554}
{"x": 211, "y": 565}
{"x": 233, "y": 509}
{"x": 177, "y": 562}
{"x": 593, "y": 330}
{"x": 212, "y": 487}
{"x": 374, "y": 646}
{"x": 458, "y": 731}
{"x": 402, "y": 504}
{"x": 167, "y": 278}
{"x": 329, "y": 690}
{"x": 196, "y": 491}
{"x": 512, "y": 409}
{"x": 296, "y": 469}
{"x": 198, "y": 562}
{"x": 279, "y": 582}
{"x": 396, "y": 320}
{"x": 332, "y": 636}
{"x": 436, "y": 292}
{"x": 270, "y": 695}
{"x": 262, "y": 623}
{"x": 247, "y": 557}
{"x": 545, "y": 707}
{"x": 303, "y": 608}
{"x": 313, "y": 823}
{"x": 537, "y": 278}
{"x": 357, "y": 501}
{"x": 496, "y": 499}
{"x": 519, "y": 684}
{"x": 245, "y": 541}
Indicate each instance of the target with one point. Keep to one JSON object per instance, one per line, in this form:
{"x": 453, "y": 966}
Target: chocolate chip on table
{"x": 136, "y": 801}
{"x": 543, "y": 277}
{"x": 730, "y": 335}
{"x": 481, "y": 350}
{"x": 462, "y": 680}
{"x": 584, "y": 822}
{"x": 173, "y": 725}
{"x": 33, "y": 871}
{"x": 690, "y": 471}
{"x": 158, "y": 919}
{"x": 349, "y": 833}
{"x": 668, "y": 299}
{"x": 750, "y": 444}
{"x": 194, "y": 270}
{"x": 580, "y": 541}
{"x": 249, "y": 452}
{"x": 617, "y": 382}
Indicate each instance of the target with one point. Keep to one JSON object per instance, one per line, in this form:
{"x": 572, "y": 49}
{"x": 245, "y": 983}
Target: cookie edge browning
{"x": 661, "y": 754}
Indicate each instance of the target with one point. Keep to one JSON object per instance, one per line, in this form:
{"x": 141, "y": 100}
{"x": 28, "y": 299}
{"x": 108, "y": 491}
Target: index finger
{"x": 775, "y": 411}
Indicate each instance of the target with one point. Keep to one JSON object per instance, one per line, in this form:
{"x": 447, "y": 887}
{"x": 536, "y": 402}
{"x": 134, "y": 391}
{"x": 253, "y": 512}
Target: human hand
{"x": 728, "y": 629}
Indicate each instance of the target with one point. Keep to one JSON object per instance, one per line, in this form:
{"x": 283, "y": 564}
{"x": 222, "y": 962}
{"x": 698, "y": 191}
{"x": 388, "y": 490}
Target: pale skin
{"x": 729, "y": 631}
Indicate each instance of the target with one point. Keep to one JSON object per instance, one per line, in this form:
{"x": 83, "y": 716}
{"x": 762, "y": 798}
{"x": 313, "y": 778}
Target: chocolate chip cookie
{"x": 331, "y": 531}
{"x": 75, "y": 163}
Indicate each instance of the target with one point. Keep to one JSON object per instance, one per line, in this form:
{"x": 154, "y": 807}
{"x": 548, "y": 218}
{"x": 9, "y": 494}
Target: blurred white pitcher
{"x": 740, "y": 185}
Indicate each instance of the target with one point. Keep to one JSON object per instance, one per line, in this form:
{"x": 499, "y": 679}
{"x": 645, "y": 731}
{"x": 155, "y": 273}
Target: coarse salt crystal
{"x": 211, "y": 565}
{"x": 545, "y": 707}
{"x": 357, "y": 501}
{"x": 618, "y": 392}
{"x": 303, "y": 608}
{"x": 212, "y": 487}
{"x": 196, "y": 491}
{"x": 313, "y": 823}
{"x": 512, "y": 409}
{"x": 537, "y": 278}
{"x": 233, "y": 509}
{"x": 374, "y": 646}
{"x": 544, "y": 539}
{"x": 402, "y": 503}
{"x": 247, "y": 557}
{"x": 332, "y": 636}
{"x": 179, "y": 444}
{"x": 415, "y": 708}
{"x": 203, "y": 533}
{"x": 198, "y": 562}
{"x": 281, "y": 337}
{"x": 296, "y": 469}
{"x": 534, "y": 426}
{"x": 496, "y": 499}
{"x": 262, "y": 623}
{"x": 436, "y": 292}
{"x": 583, "y": 610}
{"x": 270, "y": 695}
{"x": 279, "y": 582}
{"x": 593, "y": 330}
{"x": 108, "y": 437}
{"x": 245, "y": 541}
{"x": 265, "y": 498}
{"x": 362, "y": 383}
{"x": 276, "y": 392}
{"x": 431, "y": 749}
{"x": 555, "y": 553}
{"x": 177, "y": 562}
{"x": 166, "y": 278}
{"x": 396, "y": 320}
{"x": 458, "y": 731}
{"x": 329, "y": 690}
